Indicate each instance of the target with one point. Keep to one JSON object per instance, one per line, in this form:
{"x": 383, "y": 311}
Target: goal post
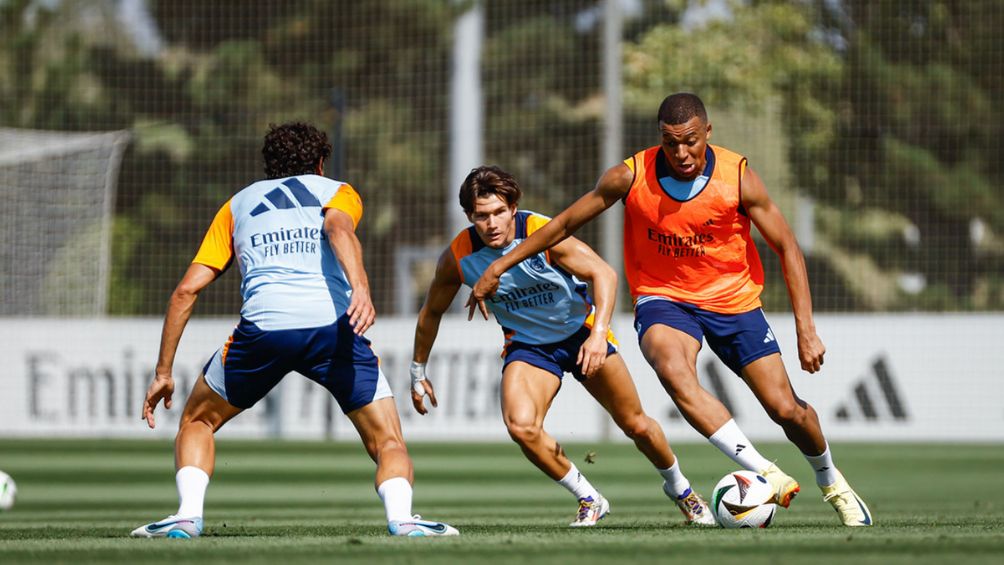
{"x": 58, "y": 193}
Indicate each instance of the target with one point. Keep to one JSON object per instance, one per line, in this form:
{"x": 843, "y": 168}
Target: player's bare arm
{"x": 443, "y": 289}
{"x": 775, "y": 230}
{"x": 341, "y": 234}
{"x": 579, "y": 259}
{"x": 179, "y": 310}
{"x": 612, "y": 186}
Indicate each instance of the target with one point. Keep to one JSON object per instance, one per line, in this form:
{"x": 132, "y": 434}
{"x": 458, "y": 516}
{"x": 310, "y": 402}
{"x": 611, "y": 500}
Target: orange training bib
{"x": 691, "y": 247}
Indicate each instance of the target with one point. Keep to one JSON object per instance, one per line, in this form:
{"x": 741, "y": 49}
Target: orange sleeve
{"x": 217, "y": 248}
{"x": 347, "y": 200}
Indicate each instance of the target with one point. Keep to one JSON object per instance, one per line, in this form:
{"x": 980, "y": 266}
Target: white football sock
{"x": 192, "y": 483}
{"x": 676, "y": 483}
{"x": 396, "y": 496}
{"x": 577, "y": 484}
{"x": 822, "y": 464}
{"x": 731, "y": 441}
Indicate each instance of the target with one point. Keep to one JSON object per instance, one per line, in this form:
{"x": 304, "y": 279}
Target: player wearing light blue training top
{"x": 306, "y": 307}
{"x": 551, "y": 327}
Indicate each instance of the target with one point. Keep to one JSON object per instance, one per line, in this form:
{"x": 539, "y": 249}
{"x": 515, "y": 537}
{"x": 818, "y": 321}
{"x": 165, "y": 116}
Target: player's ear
{"x": 708, "y": 132}
{"x": 319, "y": 169}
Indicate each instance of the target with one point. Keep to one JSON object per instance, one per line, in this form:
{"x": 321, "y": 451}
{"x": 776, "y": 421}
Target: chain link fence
{"x": 874, "y": 124}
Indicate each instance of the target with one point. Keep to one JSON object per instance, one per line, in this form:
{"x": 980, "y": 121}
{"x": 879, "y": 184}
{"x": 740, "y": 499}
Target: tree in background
{"x": 918, "y": 145}
{"x": 199, "y": 105}
{"x": 198, "y": 109}
{"x": 885, "y": 112}
{"x": 888, "y": 124}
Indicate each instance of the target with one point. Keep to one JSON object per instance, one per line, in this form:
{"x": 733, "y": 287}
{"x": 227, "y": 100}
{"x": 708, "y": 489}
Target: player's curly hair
{"x": 294, "y": 148}
{"x": 486, "y": 180}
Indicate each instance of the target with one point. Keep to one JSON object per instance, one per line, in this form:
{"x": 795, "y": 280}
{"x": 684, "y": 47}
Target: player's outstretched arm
{"x": 443, "y": 289}
{"x": 179, "y": 310}
{"x": 579, "y": 259}
{"x": 612, "y": 186}
{"x": 775, "y": 230}
{"x": 341, "y": 233}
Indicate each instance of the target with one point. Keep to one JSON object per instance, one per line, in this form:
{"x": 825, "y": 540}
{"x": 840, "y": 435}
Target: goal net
{"x": 58, "y": 192}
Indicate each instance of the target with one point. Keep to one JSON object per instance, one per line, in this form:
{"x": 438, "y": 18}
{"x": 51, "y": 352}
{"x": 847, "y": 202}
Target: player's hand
{"x": 485, "y": 287}
{"x": 810, "y": 351}
{"x": 162, "y": 387}
{"x": 361, "y": 312}
{"x": 593, "y": 353}
{"x": 420, "y": 386}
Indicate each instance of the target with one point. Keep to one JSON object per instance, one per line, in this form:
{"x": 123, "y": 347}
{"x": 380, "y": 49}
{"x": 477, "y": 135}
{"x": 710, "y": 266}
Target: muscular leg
{"x": 768, "y": 380}
{"x": 194, "y": 458}
{"x": 380, "y": 429}
{"x": 673, "y": 355}
{"x": 195, "y": 446}
{"x": 613, "y": 388}
{"x": 527, "y": 393}
{"x": 205, "y": 413}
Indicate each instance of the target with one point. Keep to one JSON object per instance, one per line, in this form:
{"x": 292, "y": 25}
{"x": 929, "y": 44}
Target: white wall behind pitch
{"x": 886, "y": 378}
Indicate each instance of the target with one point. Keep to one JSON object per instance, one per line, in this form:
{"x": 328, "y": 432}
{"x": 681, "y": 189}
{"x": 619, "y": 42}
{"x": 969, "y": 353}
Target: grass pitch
{"x": 299, "y": 502}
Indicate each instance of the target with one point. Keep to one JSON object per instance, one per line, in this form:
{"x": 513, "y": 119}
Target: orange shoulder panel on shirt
{"x": 533, "y": 223}
{"x": 218, "y": 246}
{"x": 347, "y": 200}
{"x": 461, "y": 247}
{"x": 630, "y": 163}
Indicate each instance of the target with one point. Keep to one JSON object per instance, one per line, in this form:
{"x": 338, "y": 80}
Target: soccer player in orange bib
{"x": 695, "y": 275}
{"x": 551, "y": 328}
{"x": 306, "y": 307}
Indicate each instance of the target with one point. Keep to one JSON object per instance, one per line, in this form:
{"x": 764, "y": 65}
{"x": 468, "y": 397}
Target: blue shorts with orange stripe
{"x": 255, "y": 360}
{"x": 556, "y": 358}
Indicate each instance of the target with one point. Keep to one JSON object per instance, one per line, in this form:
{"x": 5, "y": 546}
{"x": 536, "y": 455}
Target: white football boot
{"x": 417, "y": 527}
{"x": 590, "y": 511}
{"x": 785, "y": 487}
{"x": 847, "y": 503}
{"x": 693, "y": 507}
{"x": 170, "y": 527}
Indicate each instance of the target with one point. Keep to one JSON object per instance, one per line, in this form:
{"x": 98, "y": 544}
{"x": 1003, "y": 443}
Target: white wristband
{"x": 417, "y": 371}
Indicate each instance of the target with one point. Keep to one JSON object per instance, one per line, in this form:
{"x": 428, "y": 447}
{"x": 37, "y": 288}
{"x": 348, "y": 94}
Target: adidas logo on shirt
{"x": 280, "y": 201}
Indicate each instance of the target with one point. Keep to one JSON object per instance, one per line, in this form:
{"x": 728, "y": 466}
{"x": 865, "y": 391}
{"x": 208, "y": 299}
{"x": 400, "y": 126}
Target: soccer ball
{"x": 743, "y": 499}
{"x": 8, "y": 490}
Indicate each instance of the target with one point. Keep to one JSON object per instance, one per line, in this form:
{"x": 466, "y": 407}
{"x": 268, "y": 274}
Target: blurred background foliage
{"x": 881, "y": 119}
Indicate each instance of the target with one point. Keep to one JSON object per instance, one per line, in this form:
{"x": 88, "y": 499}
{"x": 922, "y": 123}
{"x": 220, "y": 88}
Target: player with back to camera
{"x": 694, "y": 274}
{"x": 550, "y": 328}
{"x": 306, "y": 306}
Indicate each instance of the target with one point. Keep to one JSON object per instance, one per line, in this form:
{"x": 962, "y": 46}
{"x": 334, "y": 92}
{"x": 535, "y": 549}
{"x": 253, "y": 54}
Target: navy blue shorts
{"x": 737, "y": 339}
{"x": 556, "y": 358}
{"x": 254, "y": 360}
